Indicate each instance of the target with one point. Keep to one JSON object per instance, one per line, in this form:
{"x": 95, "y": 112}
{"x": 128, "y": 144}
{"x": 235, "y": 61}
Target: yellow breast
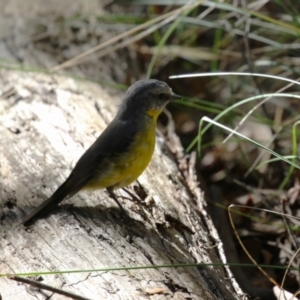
{"x": 127, "y": 167}
{"x": 138, "y": 156}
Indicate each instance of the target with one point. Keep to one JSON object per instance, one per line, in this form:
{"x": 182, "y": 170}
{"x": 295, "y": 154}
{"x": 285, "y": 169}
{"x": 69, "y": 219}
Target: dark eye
{"x": 163, "y": 96}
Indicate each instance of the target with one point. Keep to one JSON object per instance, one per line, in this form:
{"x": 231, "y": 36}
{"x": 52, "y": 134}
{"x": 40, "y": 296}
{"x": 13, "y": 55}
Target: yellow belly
{"x": 126, "y": 168}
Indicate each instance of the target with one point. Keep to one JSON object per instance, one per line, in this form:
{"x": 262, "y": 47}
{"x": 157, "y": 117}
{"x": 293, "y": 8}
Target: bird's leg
{"x": 133, "y": 195}
{"x": 112, "y": 195}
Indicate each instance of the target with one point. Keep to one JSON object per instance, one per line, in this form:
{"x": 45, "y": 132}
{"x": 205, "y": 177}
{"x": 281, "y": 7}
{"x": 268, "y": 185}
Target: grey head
{"x": 146, "y": 97}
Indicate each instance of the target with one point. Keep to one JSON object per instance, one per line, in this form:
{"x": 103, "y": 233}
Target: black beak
{"x": 175, "y": 97}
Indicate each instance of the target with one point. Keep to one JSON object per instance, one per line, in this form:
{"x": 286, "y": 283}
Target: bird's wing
{"x": 115, "y": 139}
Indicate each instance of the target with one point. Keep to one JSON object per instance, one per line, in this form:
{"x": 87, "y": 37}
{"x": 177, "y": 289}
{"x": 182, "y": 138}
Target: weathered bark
{"x": 46, "y": 123}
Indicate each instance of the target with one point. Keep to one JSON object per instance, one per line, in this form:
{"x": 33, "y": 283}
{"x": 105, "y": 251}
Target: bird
{"x": 122, "y": 151}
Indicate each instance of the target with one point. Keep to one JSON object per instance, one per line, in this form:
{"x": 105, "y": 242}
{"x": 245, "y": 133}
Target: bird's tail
{"x": 59, "y": 195}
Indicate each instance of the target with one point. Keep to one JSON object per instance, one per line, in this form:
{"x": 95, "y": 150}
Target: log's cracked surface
{"x": 46, "y": 123}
